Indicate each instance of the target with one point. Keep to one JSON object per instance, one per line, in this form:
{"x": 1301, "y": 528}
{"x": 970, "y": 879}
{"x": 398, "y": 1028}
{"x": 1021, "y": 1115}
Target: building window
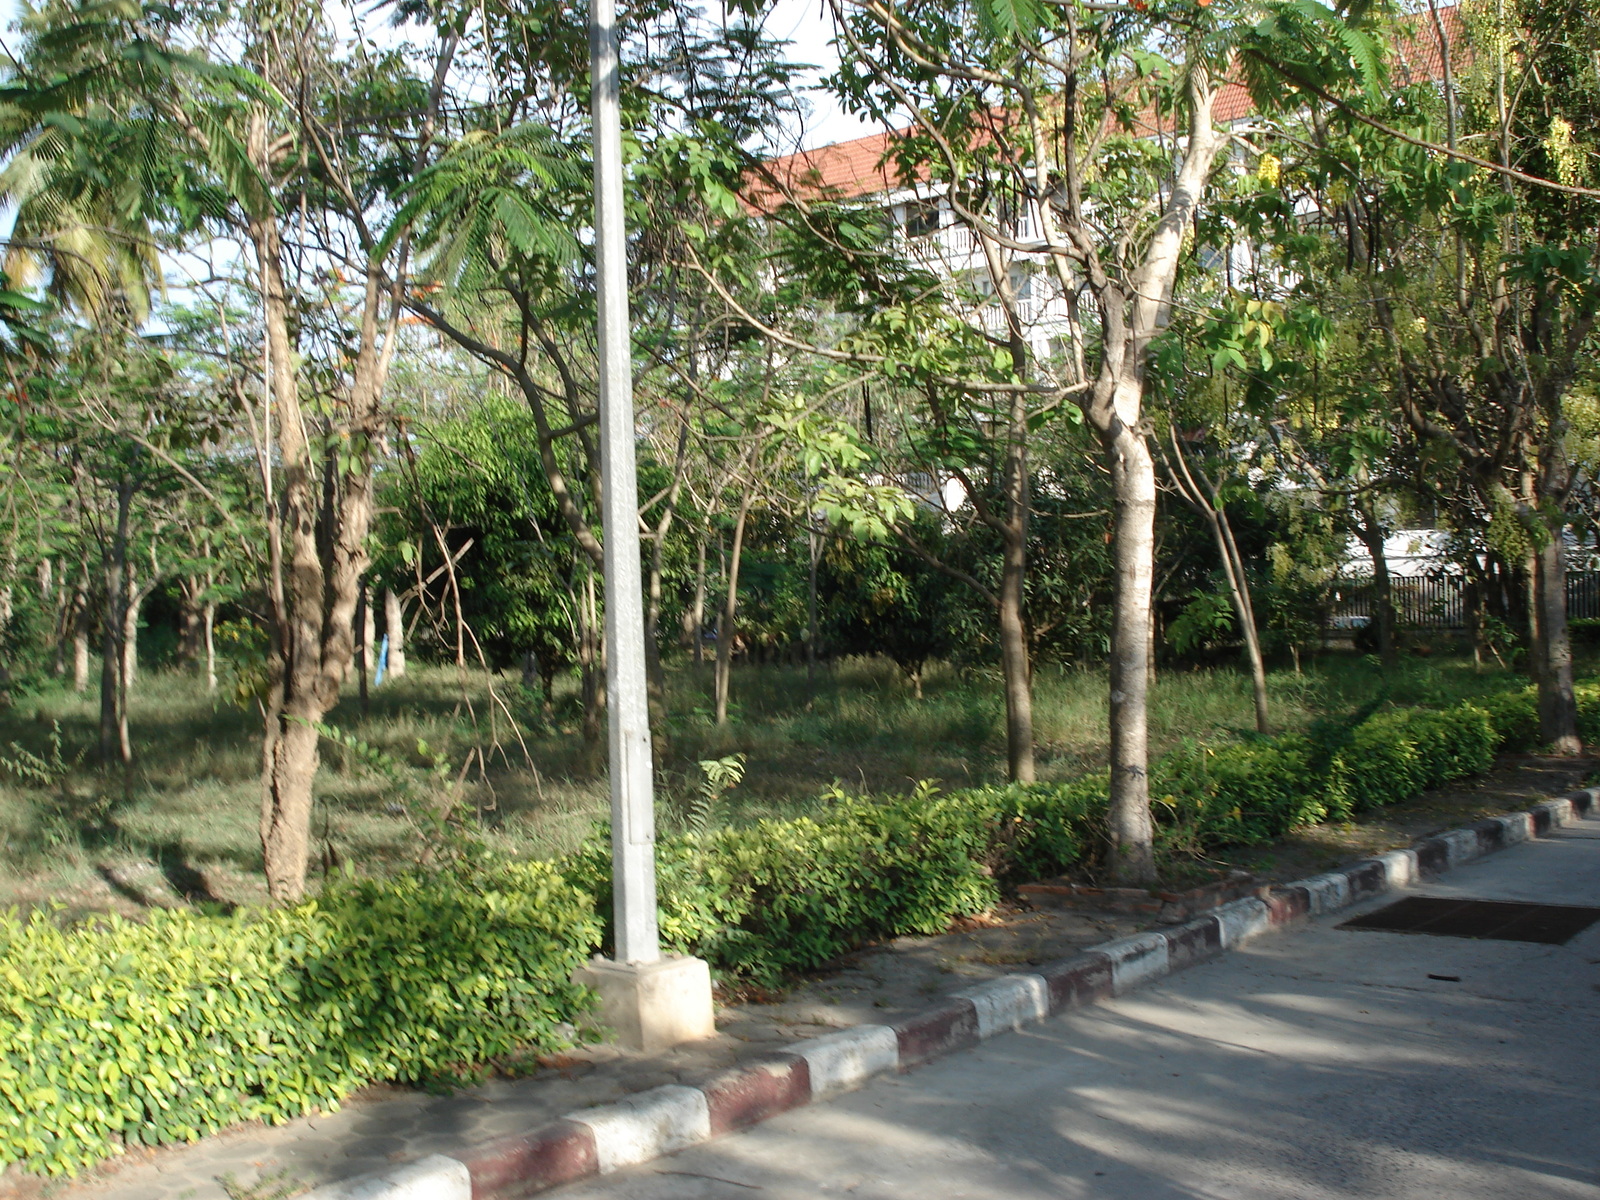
{"x": 923, "y": 217}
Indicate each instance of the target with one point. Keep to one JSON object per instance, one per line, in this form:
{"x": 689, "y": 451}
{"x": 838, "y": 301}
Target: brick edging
{"x": 647, "y": 1125}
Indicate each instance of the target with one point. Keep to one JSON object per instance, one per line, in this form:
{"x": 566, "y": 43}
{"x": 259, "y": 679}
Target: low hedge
{"x": 767, "y": 900}
{"x": 113, "y": 1031}
{"x": 171, "y": 1028}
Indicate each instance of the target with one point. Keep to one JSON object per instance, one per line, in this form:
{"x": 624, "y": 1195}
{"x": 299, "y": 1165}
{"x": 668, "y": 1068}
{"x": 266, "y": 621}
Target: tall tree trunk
{"x": 365, "y": 624}
{"x": 813, "y": 554}
{"x": 394, "y": 628}
{"x": 211, "y": 646}
{"x": 316, "y": 577}
{"x": 80, "y": 622}
{"x": 1010, "y": 599}
{"x": 1371, "y": 532}
{"x": 1558, "y": 705}
{"x": 698, "y": 618}
{"x": 591, "y": 659}
{"x": 1133, "y": 310}
{"x": 1133, "y": 478}
{"x": 190, "y": 617}
{"x": 1201, "y": 494}
{"x": 131, "y": 612}
{"x": 111, "y": 691}
{"x": 730, "y": 613}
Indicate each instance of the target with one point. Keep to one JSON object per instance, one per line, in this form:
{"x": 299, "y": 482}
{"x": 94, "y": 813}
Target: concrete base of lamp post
{"x": 651, "y": 1006}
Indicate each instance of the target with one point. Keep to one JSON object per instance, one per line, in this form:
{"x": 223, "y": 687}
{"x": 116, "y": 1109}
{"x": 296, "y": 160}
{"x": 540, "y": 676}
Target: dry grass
{"x": 190, "y": 803}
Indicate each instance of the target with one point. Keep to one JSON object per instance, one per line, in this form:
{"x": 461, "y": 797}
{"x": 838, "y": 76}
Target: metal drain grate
{"x": 1502, "y": 920}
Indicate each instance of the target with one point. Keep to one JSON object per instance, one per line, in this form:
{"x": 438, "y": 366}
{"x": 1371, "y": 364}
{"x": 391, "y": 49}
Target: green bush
{"x": 169, "y": 1029}
{"x": 1395, "y": 755}
{"x": 1515, "y": 716}
{"x": 1243, "y": 793}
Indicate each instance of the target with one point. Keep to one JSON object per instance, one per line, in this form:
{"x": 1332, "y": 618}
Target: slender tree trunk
{"x": 394, "y": 626}
{"x": 1372, "y": 536}
{"x": 112, "y": 627}
{"x": 652, "y": 617}
{"x": 211, "y": 646}
{"x": 1558, "y": 706}
{"x": 190, "y": 618}
{"x": 730, "y": 613}
{"x": 80, "y": 650}
{"x": 82, "y": 620}
{"x": 591, "y": 660}
{"x": 130, "y": 628}
{"x": 1472, "y": 613}
{"x": 1150, "y": 648}
{"x": 1239, "y": 586}
{"x": 655, "y": 674}
{"x": 1014, "y": 660}
{"x": 698, "y": 619}
{"x": 364, "y": 624}
{"x": 813, "y": 554}
{"x": 1201, "y": 495}
{"x": 1133, "y": 549}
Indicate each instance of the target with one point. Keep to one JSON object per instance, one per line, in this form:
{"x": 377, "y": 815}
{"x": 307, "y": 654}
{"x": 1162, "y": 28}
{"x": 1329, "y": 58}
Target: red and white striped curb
{"x": 596, "y": 1141}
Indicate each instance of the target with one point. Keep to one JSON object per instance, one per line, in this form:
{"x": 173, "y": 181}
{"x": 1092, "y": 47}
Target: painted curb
{"x": 597, "y": 1141}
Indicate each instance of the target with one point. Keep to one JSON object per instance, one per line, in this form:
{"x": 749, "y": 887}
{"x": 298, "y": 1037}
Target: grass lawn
{"x": 182, "y": 821}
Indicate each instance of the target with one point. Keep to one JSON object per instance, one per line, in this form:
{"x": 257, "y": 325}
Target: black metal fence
{"x": 1438, "y": 601}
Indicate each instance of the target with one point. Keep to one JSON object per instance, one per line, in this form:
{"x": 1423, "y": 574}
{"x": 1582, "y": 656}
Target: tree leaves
{"x": 1018, "y": 19}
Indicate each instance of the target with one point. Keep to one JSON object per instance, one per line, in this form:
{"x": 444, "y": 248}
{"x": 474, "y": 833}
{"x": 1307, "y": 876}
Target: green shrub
{"x": 169, "y": 1029}
{"x": 1588, "y": 696}
{"x": 1515, "y": 716}
{"x": 428, "y": 970}
{"x": 1395, "y": 755}
{"x": 769, "y": 899}
{"x": 1243, "y": 793}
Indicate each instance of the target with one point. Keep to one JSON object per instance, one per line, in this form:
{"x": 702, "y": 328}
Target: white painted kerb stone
{"x": 1399, "y": 868}
{"x": 1329, "y": 893}
{"x": 841, "y": 1062}
{"x": 1463, "y": 845}
{"x": 646, "y": 1126}
{"x": 1560, "y": 811}
{"x": 433, "y": 1178}
{"x": 1008, "y": 1003}
{"x": 1243, "y": 920}
{"x": 1135, "y": 960}
{"x": 1515, "y": 828}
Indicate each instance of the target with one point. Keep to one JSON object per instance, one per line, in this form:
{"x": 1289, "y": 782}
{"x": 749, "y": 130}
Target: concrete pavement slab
{"x": 1318, "y": 1063}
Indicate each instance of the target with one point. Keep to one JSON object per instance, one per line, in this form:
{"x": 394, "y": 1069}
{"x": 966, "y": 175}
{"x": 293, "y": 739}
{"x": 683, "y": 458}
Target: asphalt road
{"x": 1315, "y": 1063}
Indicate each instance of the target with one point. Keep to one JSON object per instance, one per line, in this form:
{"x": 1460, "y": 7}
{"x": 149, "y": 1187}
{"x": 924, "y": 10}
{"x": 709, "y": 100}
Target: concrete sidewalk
{"x": 1315, "y": 1062}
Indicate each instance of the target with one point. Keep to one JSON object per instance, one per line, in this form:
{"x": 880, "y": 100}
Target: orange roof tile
{"x": 864, "y": 166}
{"x": 841, "y": 171}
